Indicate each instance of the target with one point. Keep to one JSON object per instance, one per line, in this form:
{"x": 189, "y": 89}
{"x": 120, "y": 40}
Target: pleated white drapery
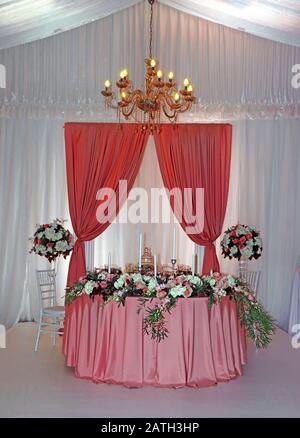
{"x": 263, "y": 192}
{"x": 237, "y": 77}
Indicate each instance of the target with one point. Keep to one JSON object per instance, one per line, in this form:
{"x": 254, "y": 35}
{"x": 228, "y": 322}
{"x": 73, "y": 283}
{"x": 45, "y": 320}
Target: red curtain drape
{"x": 198, "y": 155}
{"x": 97, "y": 156}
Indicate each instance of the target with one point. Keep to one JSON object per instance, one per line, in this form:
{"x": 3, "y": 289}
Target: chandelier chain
{"x": 151, "y": 28}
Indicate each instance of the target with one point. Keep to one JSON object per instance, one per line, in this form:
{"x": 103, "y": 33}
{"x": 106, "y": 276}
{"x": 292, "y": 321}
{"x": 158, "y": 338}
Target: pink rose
{"x": 188, "y": 292}
{"x": 161, "y": 294}
{"x": 103, "y": 284}
{"x": 248, "y": 236}
{"x": 179, "y": 280}
{"x": 217, "y": 276}
{"x": 140, "y": 285}
{"x": 251, "y": 297}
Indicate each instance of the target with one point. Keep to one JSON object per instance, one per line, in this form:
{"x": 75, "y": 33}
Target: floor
{"x": 40, "y": 385}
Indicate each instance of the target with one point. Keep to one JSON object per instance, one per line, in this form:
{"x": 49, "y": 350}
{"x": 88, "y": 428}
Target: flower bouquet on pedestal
{"x": 243, "y": 243}
{"x": 52, "y": 240}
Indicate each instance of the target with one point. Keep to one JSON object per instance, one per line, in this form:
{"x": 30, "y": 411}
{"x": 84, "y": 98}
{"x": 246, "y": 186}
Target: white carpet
{"x": 40, "y": 385}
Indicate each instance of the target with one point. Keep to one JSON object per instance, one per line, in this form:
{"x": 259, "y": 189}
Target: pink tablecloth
{"x": 107, "y": 344}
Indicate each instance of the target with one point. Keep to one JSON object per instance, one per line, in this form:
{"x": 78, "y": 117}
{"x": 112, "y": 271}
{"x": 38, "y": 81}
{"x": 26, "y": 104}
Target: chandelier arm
{"x": 169, "y": 100}
{"x": 130, "y": 111}
{"x": 185, "y": 107}
{"x": 169, "y": 116}
{"x": 112, "y": 102}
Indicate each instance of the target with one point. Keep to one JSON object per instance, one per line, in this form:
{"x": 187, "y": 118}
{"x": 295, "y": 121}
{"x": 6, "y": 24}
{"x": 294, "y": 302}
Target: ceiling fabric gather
{"x": 23, "y": 21}
{"x": 235, "y": 75}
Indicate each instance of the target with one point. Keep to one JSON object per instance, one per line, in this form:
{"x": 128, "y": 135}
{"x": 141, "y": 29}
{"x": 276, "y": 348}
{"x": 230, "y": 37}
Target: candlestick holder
{"x": 173, "y": 261}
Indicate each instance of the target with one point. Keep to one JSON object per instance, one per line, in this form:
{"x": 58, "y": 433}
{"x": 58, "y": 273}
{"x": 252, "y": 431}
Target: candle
{"x": 171, "y": 76}
{"x": 174, "y": 243}
{"x": 109, "y": 262}
{"x": 155, "y": 265}
{"x": 193, "y": 264}
{"x": 140, "y": 250}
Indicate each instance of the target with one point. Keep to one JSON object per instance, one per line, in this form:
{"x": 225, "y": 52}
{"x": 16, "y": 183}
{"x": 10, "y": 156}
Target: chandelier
{"x": 160, "y": 98}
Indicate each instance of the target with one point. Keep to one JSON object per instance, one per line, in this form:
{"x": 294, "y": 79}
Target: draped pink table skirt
{"x": 107, "y": 344}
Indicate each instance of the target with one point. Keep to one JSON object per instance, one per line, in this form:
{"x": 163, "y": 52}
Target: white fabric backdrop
{"x": 122, "y": 239}
{"x": 263, "y": 192}
{"x": 236, "y": 76}
{"x": 33, "y": 190}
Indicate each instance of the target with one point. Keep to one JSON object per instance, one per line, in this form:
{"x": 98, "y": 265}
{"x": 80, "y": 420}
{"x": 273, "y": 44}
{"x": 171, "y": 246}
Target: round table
{"x": 106, "y": 343}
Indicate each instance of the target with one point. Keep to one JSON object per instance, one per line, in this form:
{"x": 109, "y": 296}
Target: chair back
{"x": 46, "y": 287}
{"x": 251, "y": 278}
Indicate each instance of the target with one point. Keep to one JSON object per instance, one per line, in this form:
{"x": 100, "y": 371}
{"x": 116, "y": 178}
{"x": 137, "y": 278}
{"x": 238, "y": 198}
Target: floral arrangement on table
{"x": 168, "y": 289}
{"x": 52, "y": 240}
{"x": 242, "y": 242}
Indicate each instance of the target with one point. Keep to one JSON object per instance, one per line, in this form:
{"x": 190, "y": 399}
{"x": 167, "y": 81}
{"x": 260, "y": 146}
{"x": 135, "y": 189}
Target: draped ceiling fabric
{"x": 277, "y": 20}
{"x": 235, "y": 75}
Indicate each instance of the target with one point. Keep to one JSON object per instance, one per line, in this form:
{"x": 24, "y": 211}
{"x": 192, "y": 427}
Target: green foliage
{"x": 258, "y": 324}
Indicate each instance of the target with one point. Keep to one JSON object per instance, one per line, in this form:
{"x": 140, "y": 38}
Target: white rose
{"x": 177, "y": 291}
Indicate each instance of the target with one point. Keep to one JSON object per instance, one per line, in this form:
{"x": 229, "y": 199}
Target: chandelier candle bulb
{"x": 176, "y": 96}
{"x": 124, "y": 74}
{"x": 186, "y": 83}
{"x": 171, "y": 76}
{"x": 159, "y": 75}
{"x": 107, "y": 84}
{"x": 153, "y": 63}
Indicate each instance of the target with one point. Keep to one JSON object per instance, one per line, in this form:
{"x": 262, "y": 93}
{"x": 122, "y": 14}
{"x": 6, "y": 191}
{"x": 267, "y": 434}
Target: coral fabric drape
{"x": 198, "y": 155}
{"x": 98, "y": 155}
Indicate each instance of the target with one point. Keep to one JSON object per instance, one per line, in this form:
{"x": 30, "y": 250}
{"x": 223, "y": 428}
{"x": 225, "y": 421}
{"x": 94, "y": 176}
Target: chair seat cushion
{"x": 54, "y": 309}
